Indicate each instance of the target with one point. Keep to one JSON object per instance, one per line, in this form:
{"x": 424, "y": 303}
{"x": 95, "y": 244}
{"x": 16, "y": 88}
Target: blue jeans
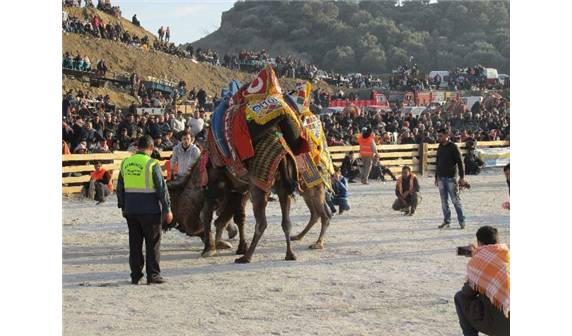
{"x": 448, "y": 188}
{"x": 468, "y": 329}
{"x": 342, "y": 202}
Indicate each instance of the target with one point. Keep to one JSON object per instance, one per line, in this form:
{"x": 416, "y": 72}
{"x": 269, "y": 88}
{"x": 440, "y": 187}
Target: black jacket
{"x": 448, "y": 159}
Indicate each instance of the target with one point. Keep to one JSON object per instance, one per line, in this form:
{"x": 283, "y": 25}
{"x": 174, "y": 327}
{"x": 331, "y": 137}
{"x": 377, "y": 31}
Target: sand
{"x": 380, "y": 273}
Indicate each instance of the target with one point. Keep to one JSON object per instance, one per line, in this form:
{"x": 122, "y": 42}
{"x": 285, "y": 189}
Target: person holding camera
{"x": 483, "y": 304}
{"x": 448, "y": 161}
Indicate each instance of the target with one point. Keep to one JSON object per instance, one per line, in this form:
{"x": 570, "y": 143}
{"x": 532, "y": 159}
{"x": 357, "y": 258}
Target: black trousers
{"x": 101, "y": 191}
{"x": 148, "y": 228}
{"x": 410, "y": 201}
{"x": 378, "y": 172}
{"x": 352, "y": 174}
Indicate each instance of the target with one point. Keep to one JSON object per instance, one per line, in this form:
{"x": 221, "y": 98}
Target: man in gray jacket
{"x": 185, "y": 154}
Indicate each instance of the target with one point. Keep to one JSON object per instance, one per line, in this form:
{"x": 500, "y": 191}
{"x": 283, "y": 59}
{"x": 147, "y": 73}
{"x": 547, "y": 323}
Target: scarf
{"x": 488, "y": 272}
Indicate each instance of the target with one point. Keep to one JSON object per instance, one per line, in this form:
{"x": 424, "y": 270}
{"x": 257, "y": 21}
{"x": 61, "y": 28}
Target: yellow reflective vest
{"x": 137, "y": 172}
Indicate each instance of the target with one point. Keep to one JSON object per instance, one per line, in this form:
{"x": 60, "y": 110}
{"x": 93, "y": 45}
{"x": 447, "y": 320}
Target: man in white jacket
{"x": 185, "y": 154}
{"x": 178, "y": 124}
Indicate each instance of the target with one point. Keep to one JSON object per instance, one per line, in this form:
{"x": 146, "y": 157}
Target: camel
{"x": 267, "y": 136}
{"x": 313, "y": 192}
{"x": 229, "y": 194}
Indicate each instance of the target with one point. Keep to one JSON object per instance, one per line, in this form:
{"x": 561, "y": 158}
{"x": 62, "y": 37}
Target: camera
{"x": 465, "y": 185}
{"x": 464, "y": 251}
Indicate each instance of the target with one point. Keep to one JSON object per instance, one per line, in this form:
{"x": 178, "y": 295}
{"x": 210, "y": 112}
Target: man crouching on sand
{"x": 483, "y": 304}
{"x": 340, "y": 197}
{"x": 406, "y": 190}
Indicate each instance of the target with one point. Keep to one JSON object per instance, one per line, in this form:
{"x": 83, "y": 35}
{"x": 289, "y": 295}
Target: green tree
{"x": 340, "y": 58}
{"x": 374, "y": 61}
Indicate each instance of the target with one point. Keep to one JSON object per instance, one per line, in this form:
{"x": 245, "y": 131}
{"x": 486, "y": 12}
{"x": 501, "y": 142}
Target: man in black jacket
{"x": 448, "y": 161}
{"x": 349, "y": 168}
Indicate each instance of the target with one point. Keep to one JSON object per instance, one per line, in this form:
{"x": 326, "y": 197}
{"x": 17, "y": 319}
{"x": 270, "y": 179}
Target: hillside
{"x": 370, "y": 36}
{"x": 122, "y": 58}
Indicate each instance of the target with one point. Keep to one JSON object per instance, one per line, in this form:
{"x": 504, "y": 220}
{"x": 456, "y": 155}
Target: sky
{"x": 188, "y": 20}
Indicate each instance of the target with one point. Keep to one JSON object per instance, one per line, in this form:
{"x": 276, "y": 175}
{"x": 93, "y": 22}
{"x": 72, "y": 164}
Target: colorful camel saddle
{"x": 264, "y": 101}
{"x": 270, "y": 150}
{"x": 218, "y": 117}
{"x": 252, "y": 131}
{"x": 315, "y": 167}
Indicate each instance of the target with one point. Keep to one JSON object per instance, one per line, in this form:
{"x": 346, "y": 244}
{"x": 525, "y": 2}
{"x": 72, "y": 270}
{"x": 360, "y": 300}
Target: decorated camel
{"x": 252, "y": 143}
{"x": 225, "y": 189}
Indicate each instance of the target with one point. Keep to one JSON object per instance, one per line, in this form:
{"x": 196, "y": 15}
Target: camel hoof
{"x": 290, "y": 256}
{"x": 317, "y": 246}
{"x": 223, "y": 245}
{"x": 242, "y": 260}
{"x": 297, "y": 237}
{"x": 242, "y": 249}
{"x": 208, "y": 253}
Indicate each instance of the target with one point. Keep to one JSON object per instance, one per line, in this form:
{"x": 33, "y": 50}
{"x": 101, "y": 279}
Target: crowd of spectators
{"x": 83, "y": 63}
{"x": 407, "y": 77}
{"x": 246, "y": 60}
{"x": 164, "y": 34}
{"x": 99, "y": 128}
{"x": 483, "y": 122}
{"x": 93, "y": 26}
{"x": 102, "y": 5}
{"x": 80, "y": 63}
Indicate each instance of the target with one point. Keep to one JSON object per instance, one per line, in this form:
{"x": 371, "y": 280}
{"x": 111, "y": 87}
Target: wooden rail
{"x": 431, "y": 155}
{"x": 76, "y": 168}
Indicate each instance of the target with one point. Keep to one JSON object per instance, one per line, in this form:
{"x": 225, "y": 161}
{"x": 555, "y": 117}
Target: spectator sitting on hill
{"x": 135, "y": 21}
{"x": 101, "y": 66}
{"x": 86, "y": 64}
{"x": 68, "y": 61}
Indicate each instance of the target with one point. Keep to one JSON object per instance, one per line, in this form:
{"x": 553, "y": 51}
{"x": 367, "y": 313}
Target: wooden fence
{"x": 430, "y": 152}
{"x": 76, "y": 168}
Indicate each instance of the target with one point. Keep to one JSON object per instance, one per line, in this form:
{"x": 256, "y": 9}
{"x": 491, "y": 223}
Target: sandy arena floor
{"x": 380, "y": 273}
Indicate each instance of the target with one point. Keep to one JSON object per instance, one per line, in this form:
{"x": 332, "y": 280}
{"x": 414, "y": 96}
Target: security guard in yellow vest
{"x": 142, "y": 196}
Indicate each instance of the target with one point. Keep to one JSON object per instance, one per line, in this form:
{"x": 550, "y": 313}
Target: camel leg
{"x": 240, "y": 220}
{"x": 313, "y": 217}
{"x": 320, "y": 209}
{"x": 206, "y": 217}
{"x": 220, "y": 224}
{"x": 259, "y": 202}
{"x": 325, "y": 220}
{"x": 285, "y": 201}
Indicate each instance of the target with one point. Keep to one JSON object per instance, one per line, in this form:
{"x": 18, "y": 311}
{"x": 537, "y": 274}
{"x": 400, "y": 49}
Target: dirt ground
{"x": 380, "y": 273}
